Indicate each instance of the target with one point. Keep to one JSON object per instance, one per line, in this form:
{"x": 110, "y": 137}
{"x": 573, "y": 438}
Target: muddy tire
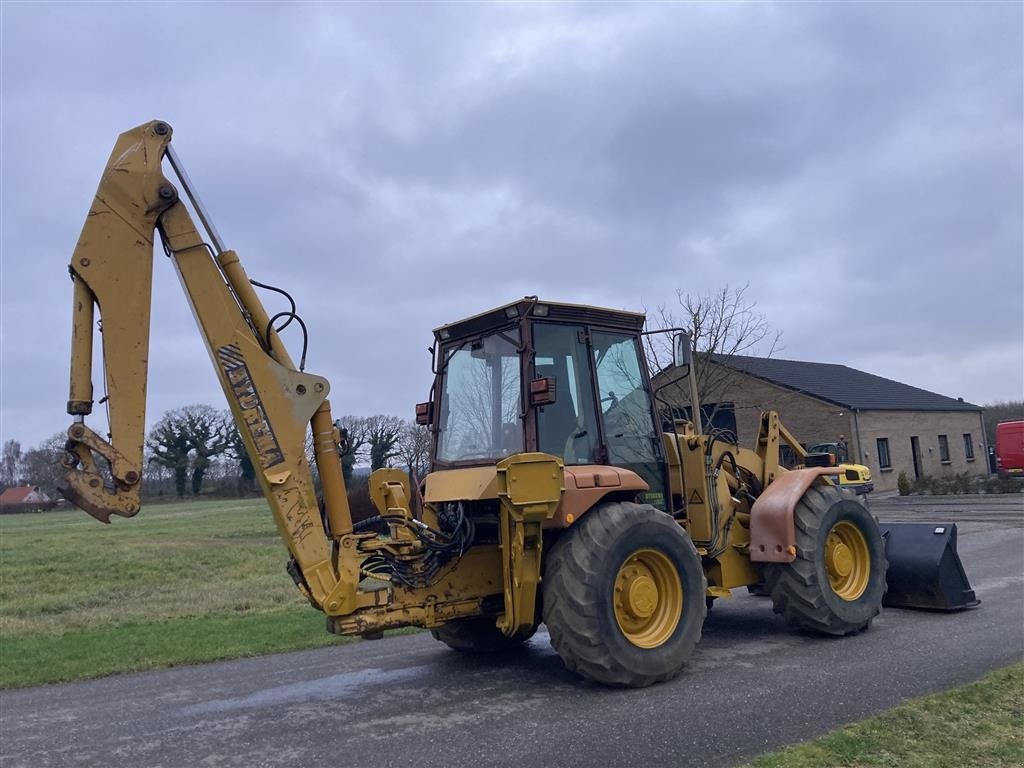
{"x": 478, "y": 634}
{"x": 624, "y": 596}
{"x": 835, "y": 584}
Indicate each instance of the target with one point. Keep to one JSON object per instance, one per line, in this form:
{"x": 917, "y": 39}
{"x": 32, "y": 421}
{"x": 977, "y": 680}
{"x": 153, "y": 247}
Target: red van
{"x": 1010, "y": 447}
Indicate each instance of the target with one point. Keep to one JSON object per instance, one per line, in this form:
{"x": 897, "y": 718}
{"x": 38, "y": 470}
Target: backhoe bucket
{"x": 924, "y": 568}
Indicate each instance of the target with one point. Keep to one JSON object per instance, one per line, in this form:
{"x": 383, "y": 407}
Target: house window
{"x": 968, "y": 446}
{"x": 944, "y": 449}
{"x": 883, "y": 453}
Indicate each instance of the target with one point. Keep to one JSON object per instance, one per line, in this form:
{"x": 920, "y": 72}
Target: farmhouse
{"x": 889, "y": 426}
{"x": 24, "y": 498}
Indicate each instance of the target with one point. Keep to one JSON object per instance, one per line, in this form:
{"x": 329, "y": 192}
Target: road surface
{"x": 408, "y": 701}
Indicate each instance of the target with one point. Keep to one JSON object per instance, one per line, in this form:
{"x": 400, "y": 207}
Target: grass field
{"x": 178, "y": 584}
{"x": 199, "y": 581}
{"x": 980, "y": 725}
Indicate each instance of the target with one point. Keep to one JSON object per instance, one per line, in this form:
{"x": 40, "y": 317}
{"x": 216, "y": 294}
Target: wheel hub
{"x": 840, "y": 559}
{"x": 642, "y": 597}
{"x": 647, "y": 598}
{"x": 847, "y": 560}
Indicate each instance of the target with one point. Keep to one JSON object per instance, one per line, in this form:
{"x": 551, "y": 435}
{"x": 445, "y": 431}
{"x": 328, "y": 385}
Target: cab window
{"x": 630, "y": 434}
{"x": 568, "y": 426}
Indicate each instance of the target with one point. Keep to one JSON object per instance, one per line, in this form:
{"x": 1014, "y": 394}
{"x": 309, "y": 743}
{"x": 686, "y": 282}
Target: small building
{"x": 889, "y": 426}
{"x": 24, "y": 498}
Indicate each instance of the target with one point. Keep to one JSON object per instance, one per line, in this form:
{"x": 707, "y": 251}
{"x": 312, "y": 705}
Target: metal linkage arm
{"x": 273, "y": 403}
{"x": 112, "y": 268}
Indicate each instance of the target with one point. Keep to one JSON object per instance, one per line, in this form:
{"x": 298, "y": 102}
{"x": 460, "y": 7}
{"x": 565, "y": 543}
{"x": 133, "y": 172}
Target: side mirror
{"x": 682, "y": 349}
{"x": 542, "y": 391}
{"x": 424, "y": 414}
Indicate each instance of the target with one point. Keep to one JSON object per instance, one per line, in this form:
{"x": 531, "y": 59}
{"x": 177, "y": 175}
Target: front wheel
{"x": 836, "y": 583}
{"x": 624, "y": 596}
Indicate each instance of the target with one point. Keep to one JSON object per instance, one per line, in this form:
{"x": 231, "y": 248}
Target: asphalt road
{"x": 408, "y": 701}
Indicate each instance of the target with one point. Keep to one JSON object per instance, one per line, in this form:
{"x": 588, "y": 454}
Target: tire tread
{"x": 571, "y": 613}
{"x": 796, "y": 590}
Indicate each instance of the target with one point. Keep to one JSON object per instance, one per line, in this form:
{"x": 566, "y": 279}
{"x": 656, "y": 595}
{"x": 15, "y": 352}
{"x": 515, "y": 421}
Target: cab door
{"x": 631, "y": 438}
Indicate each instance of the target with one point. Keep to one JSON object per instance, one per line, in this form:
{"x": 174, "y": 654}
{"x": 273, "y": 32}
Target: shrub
{"x": 903, "y": 484}
{"x": 961, "y": 483}
{"x": 964, "y": 483}
{"x": 923, "y": 485}
{"x": 1003, "y": 484}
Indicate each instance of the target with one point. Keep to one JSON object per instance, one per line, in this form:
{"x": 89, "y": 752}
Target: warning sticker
{"x": 695, "y": 497}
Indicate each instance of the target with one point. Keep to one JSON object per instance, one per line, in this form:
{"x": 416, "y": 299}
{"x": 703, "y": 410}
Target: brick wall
{"x": 810, "y": 419}
{"x": 899, "y": 426}
{"x": 813, "y": 420}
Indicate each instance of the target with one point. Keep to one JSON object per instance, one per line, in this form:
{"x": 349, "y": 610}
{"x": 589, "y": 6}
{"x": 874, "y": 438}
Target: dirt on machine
{"x": 557, "y": 494}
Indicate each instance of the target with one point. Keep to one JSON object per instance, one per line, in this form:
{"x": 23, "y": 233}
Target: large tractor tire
{"x": 624, "y": 596}
{"x": 478, "y": 634}
{"x": 835, "y": 584}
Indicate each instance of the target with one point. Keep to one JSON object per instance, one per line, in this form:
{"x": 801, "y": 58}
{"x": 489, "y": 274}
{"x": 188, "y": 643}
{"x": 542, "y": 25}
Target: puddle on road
{"x": 321, "y": 689}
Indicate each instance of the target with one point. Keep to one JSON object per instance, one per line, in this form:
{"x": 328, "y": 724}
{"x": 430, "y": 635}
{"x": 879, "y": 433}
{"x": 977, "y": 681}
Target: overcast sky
{"x": 399, "y": 166}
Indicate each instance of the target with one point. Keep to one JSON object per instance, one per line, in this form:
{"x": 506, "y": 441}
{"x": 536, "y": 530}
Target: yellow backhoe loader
{"x": 851, "y": 477}
{"x": 554, "y": 495}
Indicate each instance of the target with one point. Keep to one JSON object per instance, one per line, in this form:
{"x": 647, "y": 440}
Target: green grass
{"x": 199, "y": 581}
{"x": 980, "y": 725}
{"x": 178, "y": 584}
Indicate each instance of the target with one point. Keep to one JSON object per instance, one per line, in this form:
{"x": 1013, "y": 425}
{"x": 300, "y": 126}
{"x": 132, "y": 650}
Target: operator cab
{"x": 562, "y": 379}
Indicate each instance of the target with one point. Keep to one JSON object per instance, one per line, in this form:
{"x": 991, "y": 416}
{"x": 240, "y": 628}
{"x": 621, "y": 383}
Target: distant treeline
{"x": 197, "y": 451}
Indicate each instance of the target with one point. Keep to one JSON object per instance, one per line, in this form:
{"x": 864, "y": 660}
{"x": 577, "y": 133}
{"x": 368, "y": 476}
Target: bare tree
{"x": 354, "y": 443}
{"x": 187, "y": 438}
{"x": 40, "y": 466}
{"x": 722, "y": 325}
{"x": 157, "y": 479}
{"x": 169, "y": 447}
{"x": 10, "y": 463}
{"x": 236, "y": 451}
{"x": 310, "y": 452}
{"x": 382, "y": 434}
{"x": 208, "y": 437}
{"x": 414, "y": 447}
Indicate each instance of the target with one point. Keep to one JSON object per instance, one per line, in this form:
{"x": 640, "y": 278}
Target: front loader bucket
{"x": 924, "y": 568}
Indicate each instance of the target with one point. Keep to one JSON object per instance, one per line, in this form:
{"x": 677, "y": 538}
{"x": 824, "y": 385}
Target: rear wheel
{"x": 478, "y": 634}
{"x": 835, "y": 584}
{"x": 624, "y": 596}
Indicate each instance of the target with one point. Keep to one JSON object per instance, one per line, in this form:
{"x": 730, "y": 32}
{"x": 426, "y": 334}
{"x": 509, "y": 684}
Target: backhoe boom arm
{"x": 273, "y": 403}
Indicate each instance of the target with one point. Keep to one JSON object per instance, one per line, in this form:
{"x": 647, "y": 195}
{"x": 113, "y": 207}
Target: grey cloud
{"x": 396, "y": 168}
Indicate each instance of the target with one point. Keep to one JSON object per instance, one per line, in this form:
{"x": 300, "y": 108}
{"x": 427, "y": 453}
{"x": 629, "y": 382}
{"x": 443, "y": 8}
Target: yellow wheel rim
{"x": 648, "y": 598}
{"x": 847, "y": 560}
